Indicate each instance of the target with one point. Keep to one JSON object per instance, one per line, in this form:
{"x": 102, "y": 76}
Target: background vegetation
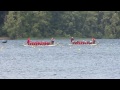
{"x": 45, "y": 24}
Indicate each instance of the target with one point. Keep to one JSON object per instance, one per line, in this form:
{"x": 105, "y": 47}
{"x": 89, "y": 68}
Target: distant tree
{"x": 2, "y": 19}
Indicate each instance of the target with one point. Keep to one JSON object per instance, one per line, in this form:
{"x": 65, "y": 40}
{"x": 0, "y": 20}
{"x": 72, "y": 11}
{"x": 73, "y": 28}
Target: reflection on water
{"x": 61, "y": 61}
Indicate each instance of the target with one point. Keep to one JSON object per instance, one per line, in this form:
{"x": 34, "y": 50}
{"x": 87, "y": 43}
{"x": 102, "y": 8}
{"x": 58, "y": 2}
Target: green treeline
{"x": 83, "y": 24}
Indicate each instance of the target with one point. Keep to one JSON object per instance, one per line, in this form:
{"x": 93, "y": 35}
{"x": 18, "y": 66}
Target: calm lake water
{"x": 63, "y": 61}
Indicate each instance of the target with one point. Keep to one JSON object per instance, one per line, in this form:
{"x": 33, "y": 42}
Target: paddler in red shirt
{"x": 28, "y": 40}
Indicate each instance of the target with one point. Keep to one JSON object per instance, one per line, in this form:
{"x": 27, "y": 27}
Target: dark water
{"x": 60, "y": 62}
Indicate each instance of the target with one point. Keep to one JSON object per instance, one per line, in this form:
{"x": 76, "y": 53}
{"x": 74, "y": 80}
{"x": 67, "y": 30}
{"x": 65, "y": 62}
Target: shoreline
{"x": 4, "y": 38}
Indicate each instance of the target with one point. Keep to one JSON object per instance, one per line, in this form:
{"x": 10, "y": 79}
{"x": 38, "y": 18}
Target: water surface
{"x": 63, "y": 61}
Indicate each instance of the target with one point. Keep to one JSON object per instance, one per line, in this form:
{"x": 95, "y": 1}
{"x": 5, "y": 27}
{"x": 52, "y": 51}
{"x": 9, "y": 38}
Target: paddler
{"x": 52, "y": 40}
{"x": 72, "y": 39}
{"x": 28, "y": 40}
{"x": 93, "y": 40}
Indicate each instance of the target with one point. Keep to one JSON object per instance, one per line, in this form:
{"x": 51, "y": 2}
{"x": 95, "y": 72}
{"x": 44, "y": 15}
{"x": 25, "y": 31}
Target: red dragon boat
{"x": 83, "y": 42}
{"x": 29, "y": 42}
